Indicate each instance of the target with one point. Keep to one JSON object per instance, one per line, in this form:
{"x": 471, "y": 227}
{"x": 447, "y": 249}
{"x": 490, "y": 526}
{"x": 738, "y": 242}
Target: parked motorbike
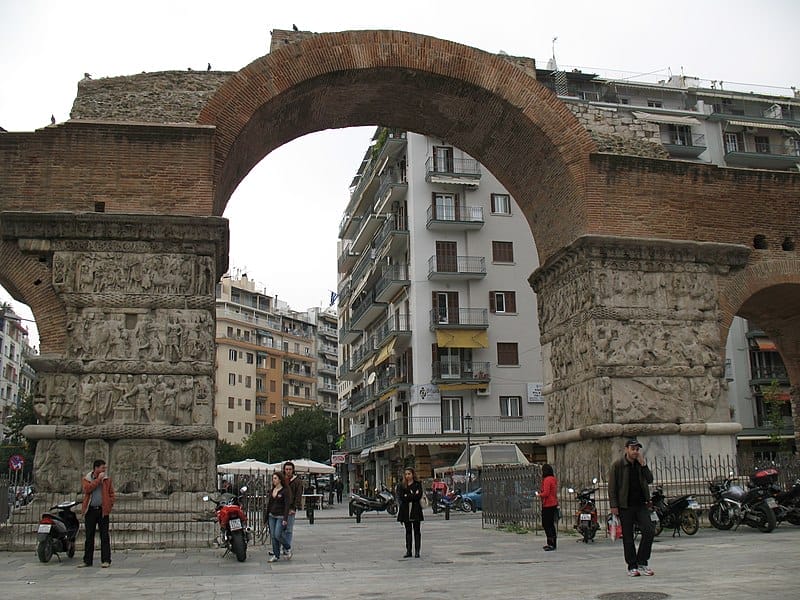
{"x": 788, "y": 501}
{"x": 451, "y": 501}
{"x": 361, "y": 503}
{"x": 57, "y": 532}
{"x": 586, "y": 516}
{"x": 678, "y": 514}
{"x": 234, "y": 534}
{"x": 733, "y": 505}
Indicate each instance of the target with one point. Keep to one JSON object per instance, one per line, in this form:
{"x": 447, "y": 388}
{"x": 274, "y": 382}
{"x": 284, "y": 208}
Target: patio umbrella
{"x": 488, "y": 454}
{"x": 306, "y": 465}
{"x": 248, "y": 465}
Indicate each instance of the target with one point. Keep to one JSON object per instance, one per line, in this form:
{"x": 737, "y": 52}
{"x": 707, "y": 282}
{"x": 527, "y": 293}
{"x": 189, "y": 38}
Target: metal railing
{"x": 453, "y": 166}
{"x": 468, "y": 265}
{"x": 509, "y": 493}
{"x": 461, "y": 317}
{"x": 443, "y": 371}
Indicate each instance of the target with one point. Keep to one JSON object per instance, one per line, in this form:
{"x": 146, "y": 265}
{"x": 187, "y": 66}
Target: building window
{"x": 272, "y": 408}
{"x": 503, "y": 252}
{"x": 230, "y": 401}
{"x": 655, "y": 104}
{"x": 239, "y": 425}
{"x": 247, "y": 403}
{"x": 248, "y": 428}
{"x": 501, "y": 204}
{"x": 451, "y": 414}
{"x": 272, "y": 385}
{"x": 250, "y": 358}
{"x": 796, "y": 146}
{"x": 232, "y": 355}
{"x": 231, "y": 378}
{"x": 510, "y": 406}
{"x": 445, "y": 207}
{"x": 248, "y": 381}
{"x": 507, "y": 353}
{"x": 731, "y": 142}
{"x": 762, "y": 144}
{"x": 503, "y": 302}
{"x": 680, "y": 135}
{"x": 230, "y": 332}
{"x": 443, "y": 159}
{"x": 271, "y": 362}
{"x": 230, "y": 426}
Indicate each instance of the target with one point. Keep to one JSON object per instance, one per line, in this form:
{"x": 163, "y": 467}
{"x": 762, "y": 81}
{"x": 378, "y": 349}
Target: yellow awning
{"x": 452, "y": 387}
{"x": 386, "y": 395}
{"x": 462, "y": 338}
{"x": 367, "y": 365}
{"x": 386, "y": 351}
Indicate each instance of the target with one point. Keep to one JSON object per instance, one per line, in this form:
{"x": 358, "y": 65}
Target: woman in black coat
{"x": 409, "y": 495}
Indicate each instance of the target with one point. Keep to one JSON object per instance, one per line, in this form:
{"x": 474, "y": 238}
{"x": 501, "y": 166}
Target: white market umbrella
{"x": 248, "y": 465}
{"x": 306, "y": 465}
{"x": 486, "y": 455}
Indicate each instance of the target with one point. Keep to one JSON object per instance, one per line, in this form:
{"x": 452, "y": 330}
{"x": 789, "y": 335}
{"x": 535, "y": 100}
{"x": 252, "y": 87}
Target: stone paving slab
{"x": 337, "y": 558}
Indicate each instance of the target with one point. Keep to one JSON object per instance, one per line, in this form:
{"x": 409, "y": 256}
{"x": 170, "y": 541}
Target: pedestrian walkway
{"x": 337, "y": 558}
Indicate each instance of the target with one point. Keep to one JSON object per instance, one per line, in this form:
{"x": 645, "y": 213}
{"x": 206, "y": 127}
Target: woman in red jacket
{"x": 549, "y": 498}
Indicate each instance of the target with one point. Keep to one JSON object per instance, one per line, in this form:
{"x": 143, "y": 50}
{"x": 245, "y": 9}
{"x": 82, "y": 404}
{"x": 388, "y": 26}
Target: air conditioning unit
{"x": 482, "y": 392}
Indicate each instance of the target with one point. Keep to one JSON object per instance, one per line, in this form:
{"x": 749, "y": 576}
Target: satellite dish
{"x": 372, "y": 377}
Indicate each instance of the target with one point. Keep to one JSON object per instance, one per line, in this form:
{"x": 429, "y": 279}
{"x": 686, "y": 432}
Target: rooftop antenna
{"x": 552, "y": 65}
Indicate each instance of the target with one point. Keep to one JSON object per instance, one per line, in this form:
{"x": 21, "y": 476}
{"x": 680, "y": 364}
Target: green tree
{"x": 289, "y": 437}
{"x": 21, "y": 416}
{"x": 774, "y": 404}
{"x": 227, "y": 452}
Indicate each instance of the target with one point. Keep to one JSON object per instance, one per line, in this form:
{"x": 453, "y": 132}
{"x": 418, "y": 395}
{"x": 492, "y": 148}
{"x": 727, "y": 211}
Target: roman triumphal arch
{"x": 111, "y": 232}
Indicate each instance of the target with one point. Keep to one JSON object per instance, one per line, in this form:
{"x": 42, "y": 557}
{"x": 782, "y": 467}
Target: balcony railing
{"x": 468, "y": 217}
{"x": 447, "y": 371}
{"x": 426, "y": 426}
{"x": 394, "y": 325}
{"x": 456, "y": 266}
{"x": 462, "y": 317}
{"x": 768, "y": 374}
{"x": 392, "y": 279}
{"x": 456, "y": 168}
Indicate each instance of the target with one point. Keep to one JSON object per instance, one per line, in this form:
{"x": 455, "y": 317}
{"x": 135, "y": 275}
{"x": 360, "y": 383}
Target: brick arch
{"x": 19, "y": 275}
{"x": 477, "y": 101}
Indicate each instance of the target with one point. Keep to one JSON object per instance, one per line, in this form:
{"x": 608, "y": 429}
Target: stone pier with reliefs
{"x": 134, "y": 385}
{"x": 647, "y": 358}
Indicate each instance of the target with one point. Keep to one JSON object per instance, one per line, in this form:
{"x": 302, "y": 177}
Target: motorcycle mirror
{"x": 206, "y": 498}
{"x": 243, "y": 489}
{"x": 571, "y": 490}
{"x": 594, "y": 480}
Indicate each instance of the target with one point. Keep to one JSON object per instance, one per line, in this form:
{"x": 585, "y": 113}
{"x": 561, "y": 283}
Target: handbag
{"x": 558, "y": 513}
{"x": 424, "y": 502}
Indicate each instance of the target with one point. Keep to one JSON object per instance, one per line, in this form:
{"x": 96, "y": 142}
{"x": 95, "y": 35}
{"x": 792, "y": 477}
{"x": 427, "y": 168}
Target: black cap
{"x": 633, "y": 442}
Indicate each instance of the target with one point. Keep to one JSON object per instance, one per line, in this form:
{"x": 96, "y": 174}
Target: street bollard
{"x": 446, "y": 513}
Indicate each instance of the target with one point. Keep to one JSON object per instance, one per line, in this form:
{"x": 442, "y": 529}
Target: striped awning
{"x": 660, "y": 118}
{"x": 761, "y": 125}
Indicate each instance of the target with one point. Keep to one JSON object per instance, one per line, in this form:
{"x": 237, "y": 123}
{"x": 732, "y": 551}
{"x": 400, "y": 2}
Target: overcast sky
{"x": 47, "y": 46}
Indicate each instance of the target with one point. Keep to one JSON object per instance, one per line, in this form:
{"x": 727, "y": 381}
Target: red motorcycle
{"x": 586, "y": 516}
{"x": 233, "y": 531}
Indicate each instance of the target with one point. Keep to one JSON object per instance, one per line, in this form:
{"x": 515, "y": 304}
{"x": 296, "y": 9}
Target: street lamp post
{"x": 468, "y": 427}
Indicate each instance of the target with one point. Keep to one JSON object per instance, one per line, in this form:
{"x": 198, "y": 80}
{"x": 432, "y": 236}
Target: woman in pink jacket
{"x": 548, "y": 496}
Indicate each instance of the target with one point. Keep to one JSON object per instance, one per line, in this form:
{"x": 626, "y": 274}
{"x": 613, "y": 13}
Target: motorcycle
{"x": 733, "y": 505}
{"x": 57, "y": 532}
{"x": 384, "y": 500}
{"x": 234, "y": 534}
{"x": 586, "y": 516}
{"x": 678, "y": 514}
{"x": 451, "y": 501}
{"x": 788, "y": 501}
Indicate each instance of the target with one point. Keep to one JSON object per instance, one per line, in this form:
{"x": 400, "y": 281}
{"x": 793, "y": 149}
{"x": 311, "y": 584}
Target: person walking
{"x": 295, "y": 484}
{"x": 628, "y": 494}
{"x": 280, "y": 501}
{"x": 339, "y": 490}
{"x": 409, "y": 495}
{"x": 548, "y": 494}
{"x": 98, "y": 500}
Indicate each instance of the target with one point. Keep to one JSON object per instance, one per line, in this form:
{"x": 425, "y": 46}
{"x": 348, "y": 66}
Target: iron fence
{"x": 509, "y": 493}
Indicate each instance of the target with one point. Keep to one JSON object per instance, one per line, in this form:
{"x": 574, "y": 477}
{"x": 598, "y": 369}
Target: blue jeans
{"x": 277, "y": 530}
{"x": 288, "y": 531}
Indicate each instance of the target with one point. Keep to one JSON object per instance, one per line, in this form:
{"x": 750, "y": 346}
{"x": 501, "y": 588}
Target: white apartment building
{"x": 439, "y": 337}
{"x": 16, "y": 375}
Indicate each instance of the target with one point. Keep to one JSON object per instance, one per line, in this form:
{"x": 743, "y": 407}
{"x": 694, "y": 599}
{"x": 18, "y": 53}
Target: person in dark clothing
{"x": 339, "y": 490}
{"x": 280, "y": 501}
{"x": 98, "y": 500}
{"x": 548, "y": 494}
{"x": 409, "y": 495}
{"x": 295, "y": 484}
{"x": 628, "y": 494}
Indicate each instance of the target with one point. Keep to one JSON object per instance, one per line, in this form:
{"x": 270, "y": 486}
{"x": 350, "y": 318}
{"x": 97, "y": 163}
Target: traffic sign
{"x": 16, "y": 462}
{"x": 338, "y": 459}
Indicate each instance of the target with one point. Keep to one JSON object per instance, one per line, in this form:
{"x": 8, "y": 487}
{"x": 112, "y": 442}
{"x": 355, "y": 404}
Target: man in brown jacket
{"x": 98, "y": 500}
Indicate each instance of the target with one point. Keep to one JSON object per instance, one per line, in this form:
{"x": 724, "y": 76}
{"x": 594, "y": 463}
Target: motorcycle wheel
{"x": 767, "y": 521}
{"x": 238, "y": 546}
{"x": 391, "y": 508}
{"x": 793, "y": 517}
{"x": 71, "y": 549}
{"x": 469, "y": 506}
{"x": 720, "y": 517}
{"x": 689, "y": 522}
{"x": 45, "y": 550}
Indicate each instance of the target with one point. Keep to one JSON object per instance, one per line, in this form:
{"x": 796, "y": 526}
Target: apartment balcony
{"x": 329, "y": 333}
{"x": 370, "y": 225}
{"x": 761, "y": 156}
{"x": 366, "y": 311}
{"x": 392, "y": 240}
{"x": 463, "y": 171}
{"x": 445, "y": 371}
{"x": 462, "y": 318}
{"x": 364, "y": 264}
{"x": 393, "y": 188}
{"x": 327, "y": 368}
{"x": 327, "y": 388}
{"x": 440, "y": 430}
{"x": 766, "y": 375}
{"x": 362, "y": 354}
{"x": 456, "y": 267}
{"x": 455, "y": 218}
{"x": 347, "y": 258}
{"x": 347, "y": 372}
{"x": 299, "y": 401}
{"x": 396, "y": 327}
{"x": 393, "y": 279}
{"x": 685, "y": 146}
{"x": 331, "y": 351}
{"x": 348, "y": 334}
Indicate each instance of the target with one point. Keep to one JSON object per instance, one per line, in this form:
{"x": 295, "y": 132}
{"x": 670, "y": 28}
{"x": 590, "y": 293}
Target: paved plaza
{"x": 337, "y": 558}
